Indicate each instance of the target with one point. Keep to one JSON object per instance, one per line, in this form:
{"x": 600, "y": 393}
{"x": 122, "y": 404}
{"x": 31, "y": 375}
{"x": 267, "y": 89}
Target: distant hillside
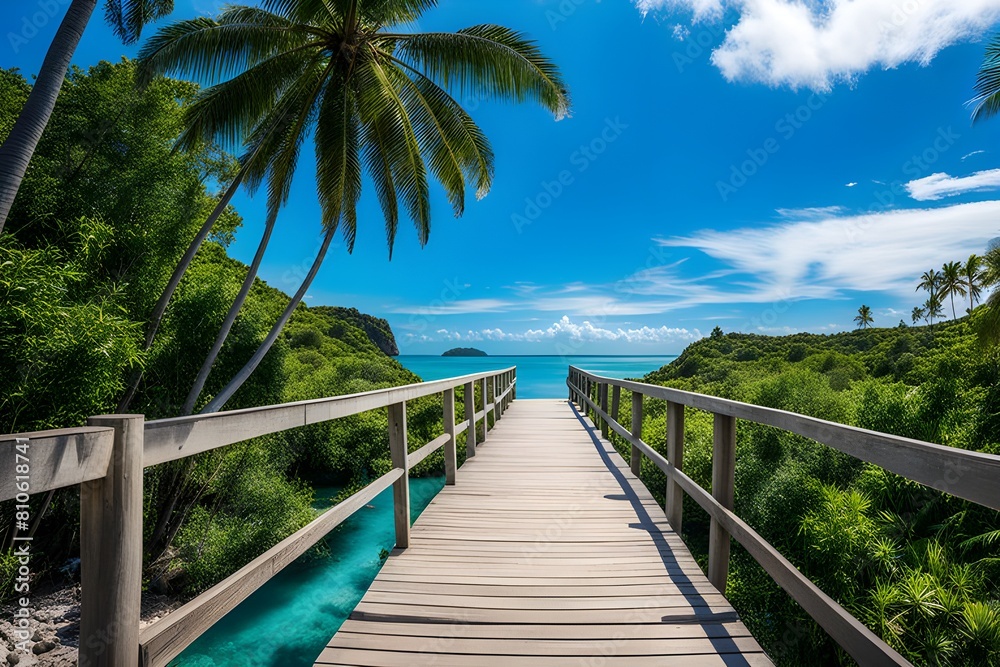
{"x": 465, "y": 352}
{"x": 377, "y": 329}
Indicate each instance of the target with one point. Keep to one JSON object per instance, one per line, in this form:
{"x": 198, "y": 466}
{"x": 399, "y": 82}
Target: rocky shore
{"x": 55, "y": 624}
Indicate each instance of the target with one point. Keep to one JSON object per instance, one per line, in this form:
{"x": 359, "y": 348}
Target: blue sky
{"x": 760, "y": 165}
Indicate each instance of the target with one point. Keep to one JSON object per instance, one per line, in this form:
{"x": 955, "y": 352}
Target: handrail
{"x": 107, "y": 458}
{"x": 852, "y": 635}
{"x": 963, "y": 473}
{"x": 180, "y": 437}
{"x": 56, "y": 459}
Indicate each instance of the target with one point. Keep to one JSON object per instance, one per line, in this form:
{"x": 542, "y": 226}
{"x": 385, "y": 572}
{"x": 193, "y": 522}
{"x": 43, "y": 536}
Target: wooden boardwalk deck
{"x": 548, "y": 552}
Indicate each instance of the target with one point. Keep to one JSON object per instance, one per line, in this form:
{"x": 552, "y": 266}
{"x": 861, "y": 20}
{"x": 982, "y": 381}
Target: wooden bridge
{"x": 543, "y": 549}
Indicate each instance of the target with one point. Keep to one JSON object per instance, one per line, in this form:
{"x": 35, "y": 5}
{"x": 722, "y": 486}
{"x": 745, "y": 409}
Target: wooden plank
{"x": 636, "y": 463}
{"x": 164, "y": 639}
{"x": 958, "y": 472}
{"x": 470, "y": 418}
{"x": 56, "y": 459}
{"x": 545, "y": 565}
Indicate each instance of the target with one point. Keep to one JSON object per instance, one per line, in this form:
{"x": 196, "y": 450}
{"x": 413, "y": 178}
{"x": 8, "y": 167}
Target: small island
{"x": 464, "y": 352}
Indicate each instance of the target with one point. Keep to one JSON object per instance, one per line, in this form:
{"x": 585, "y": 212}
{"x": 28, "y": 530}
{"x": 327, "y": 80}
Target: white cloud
{"x": 968, "y": 155}
{"x": 939, "y": 186}
{"x": 566, "y": 329}
{"x": 828, "y": 258}
{"x": 816, "y": 43}
{"x": 463, "y": 307}
{"x": 812, "y": 213}
{"x": 851, "y": 184}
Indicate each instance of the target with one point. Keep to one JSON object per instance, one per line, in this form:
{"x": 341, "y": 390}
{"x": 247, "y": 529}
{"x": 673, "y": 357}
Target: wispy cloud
{"x": 566, "y": 329}
{"x": 464, "y": 307}
{"x": 831, "y": 257}
{"x": 812, "y": 213}
{"x": 816, "y": 43}
{"x": 968, "y": 155}
{"x": 939, "y": 186}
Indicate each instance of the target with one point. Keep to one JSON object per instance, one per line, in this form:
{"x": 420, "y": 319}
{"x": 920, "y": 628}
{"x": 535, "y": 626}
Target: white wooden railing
{"x": 966, "y": 474}
{"x": 107, "y": 459}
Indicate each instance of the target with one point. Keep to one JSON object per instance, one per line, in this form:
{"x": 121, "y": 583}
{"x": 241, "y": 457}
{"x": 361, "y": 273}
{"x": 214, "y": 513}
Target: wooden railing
{"x": 107, "y": 459}
{"x": 970, "y": 475}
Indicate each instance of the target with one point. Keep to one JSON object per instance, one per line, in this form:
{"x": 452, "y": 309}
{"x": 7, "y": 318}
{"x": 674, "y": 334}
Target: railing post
{"x": 401, "y": 487}
{"x": 470, "y": 415}
{"x": 450, "y": 452}
{"x": 723, "y": 490}
{"x": 616, "y": 399}
{"x": 603, "y": 392}
{"x": 486, "y": 412}
{"x": 675, "y": 455}
{"x": 636, "y": 462}
{"x": 497, "y": 411}
{"x": 111, "y": 551}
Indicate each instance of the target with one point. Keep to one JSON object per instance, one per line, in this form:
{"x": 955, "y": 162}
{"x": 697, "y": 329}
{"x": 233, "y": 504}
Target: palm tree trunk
{"x": 227, "y": 325}
{"x": 954, "y": 315}
{"x": 244, "y": 374}
{"x": 17, "y": 149}
{"x": 156, "y": 318}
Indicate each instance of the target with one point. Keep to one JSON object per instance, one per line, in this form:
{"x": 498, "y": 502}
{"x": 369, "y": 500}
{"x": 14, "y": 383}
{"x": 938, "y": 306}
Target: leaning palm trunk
{"x": 223, "y": 396}
{"x": 156, "y": 318}
{"x": 17, "y": 149}
{"x": 227, "y": 325}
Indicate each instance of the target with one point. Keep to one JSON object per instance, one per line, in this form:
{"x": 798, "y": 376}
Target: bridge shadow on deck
{"x": 712, "y": 623}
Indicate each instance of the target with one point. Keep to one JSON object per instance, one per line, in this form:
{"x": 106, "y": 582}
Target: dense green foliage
{"x": 919, "y": 567}
{"x": 105, "y": 212}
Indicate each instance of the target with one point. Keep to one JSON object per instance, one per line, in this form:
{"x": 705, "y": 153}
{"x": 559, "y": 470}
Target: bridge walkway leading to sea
{"x": 548, "y": 551}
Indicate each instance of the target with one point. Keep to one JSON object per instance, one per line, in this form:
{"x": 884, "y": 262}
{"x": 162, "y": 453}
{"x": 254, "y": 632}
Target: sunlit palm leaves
{"x": 374, "y": 98}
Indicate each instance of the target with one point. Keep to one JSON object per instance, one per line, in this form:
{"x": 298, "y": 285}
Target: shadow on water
{"x": 291, "y": 618}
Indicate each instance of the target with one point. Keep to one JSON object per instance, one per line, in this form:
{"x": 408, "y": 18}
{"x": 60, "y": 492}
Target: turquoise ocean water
{"x": 537, "y": 377}
{"x": 289, "y": 620}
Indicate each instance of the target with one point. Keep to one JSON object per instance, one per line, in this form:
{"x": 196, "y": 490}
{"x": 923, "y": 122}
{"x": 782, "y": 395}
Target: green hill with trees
{"x": 919, "y": 567}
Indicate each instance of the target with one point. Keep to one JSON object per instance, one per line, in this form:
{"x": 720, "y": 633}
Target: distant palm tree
{"x": 952, "y": 283}
{"x": 972, "y": 273}
{"x": 127, "y": 18}
{"x": 864, "y": 319}
{"x": 934, "y": 308}
{"x": 370, "y": 93}
{"x": 989, "y": 324}
{"x": 917, "y": 314}
{"x": 930, "y": 281}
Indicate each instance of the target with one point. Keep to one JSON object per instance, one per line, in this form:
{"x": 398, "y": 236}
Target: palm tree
{"x": 917, "y": 314}
{"x": 930, "y": 281}
{"x": 972, "y": 273}
{"x": 987, "y": 100}
{"x": 952, "y": 283}
{"x": 864, "y": 319}
{"x": 934, "y": 308}
{"x": 127, "y": 17}
{"x": 372, "y": 95}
